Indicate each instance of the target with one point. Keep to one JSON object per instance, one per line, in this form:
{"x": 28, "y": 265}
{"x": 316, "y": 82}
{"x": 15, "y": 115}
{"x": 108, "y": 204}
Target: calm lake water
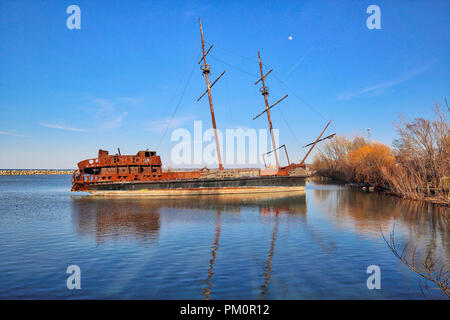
{"x": 312, "y": 245}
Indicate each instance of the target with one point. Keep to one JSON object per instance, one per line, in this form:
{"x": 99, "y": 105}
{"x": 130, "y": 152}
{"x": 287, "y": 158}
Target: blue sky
{"x": 115, "y": 83}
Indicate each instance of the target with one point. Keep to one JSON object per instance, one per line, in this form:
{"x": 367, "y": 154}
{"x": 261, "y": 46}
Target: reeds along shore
{"x": 33, "y": 172}
{"x": 416, "y": 167}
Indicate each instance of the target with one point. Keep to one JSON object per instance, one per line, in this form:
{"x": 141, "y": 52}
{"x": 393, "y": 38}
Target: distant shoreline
{"x": 29, "y": 172}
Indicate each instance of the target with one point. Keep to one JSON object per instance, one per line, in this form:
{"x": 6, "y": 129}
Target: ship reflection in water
{"x": 262, "y": 246}
{"x": 313, "y": 245}
{"x": 115, "y": 219}
{"x": 112, "y": 218}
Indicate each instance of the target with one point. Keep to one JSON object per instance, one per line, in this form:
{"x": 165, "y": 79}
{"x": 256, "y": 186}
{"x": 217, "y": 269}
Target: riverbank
{"x": 416, "y": 167}
{"x": 29, "y": 172}
{"x": 424, "y": 195}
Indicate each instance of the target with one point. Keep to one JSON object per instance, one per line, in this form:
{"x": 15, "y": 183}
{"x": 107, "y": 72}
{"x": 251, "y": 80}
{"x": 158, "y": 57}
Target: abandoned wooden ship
{"x": 143, "y": 174}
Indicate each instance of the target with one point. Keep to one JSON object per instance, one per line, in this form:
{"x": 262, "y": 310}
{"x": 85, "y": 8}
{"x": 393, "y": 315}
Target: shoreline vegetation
{"x": 417, "y": 167}
{"x": 28, "y": 172}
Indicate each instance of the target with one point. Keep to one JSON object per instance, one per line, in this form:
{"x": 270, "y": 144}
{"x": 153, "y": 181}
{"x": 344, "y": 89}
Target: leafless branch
{"x": 430, "y": 268}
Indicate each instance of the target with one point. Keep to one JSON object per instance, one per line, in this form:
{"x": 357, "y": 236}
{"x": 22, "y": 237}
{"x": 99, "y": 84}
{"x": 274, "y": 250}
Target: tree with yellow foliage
{"x": 367, "y": 162}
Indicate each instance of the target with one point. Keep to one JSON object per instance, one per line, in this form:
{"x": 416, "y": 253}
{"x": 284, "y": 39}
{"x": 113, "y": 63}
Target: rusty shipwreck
{"x": 143, "y": 174}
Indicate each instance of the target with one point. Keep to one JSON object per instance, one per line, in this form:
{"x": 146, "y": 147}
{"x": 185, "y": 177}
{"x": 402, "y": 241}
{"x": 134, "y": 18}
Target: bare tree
{"x": 430, "y": 268}
{"x": 423, "y": 151}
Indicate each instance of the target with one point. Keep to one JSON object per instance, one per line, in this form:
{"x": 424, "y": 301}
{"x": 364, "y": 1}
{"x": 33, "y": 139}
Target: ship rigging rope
{"x": 234, "y": 67}
{"x": 289, "y": 127}
{"x": 298, "y": 97}
{"x": 178, "y": 104}
{"x": 279, "y": 80}
{"x": 282, "y": 114}
{"x": 241, "y": 56}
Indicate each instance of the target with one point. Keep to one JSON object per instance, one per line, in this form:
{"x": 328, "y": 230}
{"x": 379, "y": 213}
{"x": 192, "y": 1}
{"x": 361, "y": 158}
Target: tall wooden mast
{"x": 265, "y": 92}
{"x": 206, "y": 70}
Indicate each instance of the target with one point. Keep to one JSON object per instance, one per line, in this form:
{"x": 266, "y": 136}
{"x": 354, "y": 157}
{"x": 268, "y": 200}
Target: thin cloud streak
{"x": 132, "y": 101}
{"x": 56, "y": 126}
{"x": 13, "y": 134}
{"x": 110, "y": 112}
{"x": 385, "y": 85}
{"x": 113, "y": 123}
{"x": 159, "y": 126}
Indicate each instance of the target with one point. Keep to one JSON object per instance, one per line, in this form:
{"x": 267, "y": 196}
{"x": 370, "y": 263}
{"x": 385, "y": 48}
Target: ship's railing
{"x": 120, "y": 161}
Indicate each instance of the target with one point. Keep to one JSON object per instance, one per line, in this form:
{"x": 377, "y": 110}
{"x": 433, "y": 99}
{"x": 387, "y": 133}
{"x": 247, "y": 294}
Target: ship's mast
{"x": 265, "y": 92}
{"x": 206, "y": 70}
{"x": 317, "y": 140}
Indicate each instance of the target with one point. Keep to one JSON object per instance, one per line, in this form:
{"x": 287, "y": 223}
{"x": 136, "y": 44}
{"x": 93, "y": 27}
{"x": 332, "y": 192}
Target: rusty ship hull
{"x": 142, "y": 174}
{"x": 201, "y": 186}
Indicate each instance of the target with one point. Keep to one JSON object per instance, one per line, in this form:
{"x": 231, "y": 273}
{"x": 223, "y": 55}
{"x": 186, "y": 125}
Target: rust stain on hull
{"x": 132, "y": 173}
